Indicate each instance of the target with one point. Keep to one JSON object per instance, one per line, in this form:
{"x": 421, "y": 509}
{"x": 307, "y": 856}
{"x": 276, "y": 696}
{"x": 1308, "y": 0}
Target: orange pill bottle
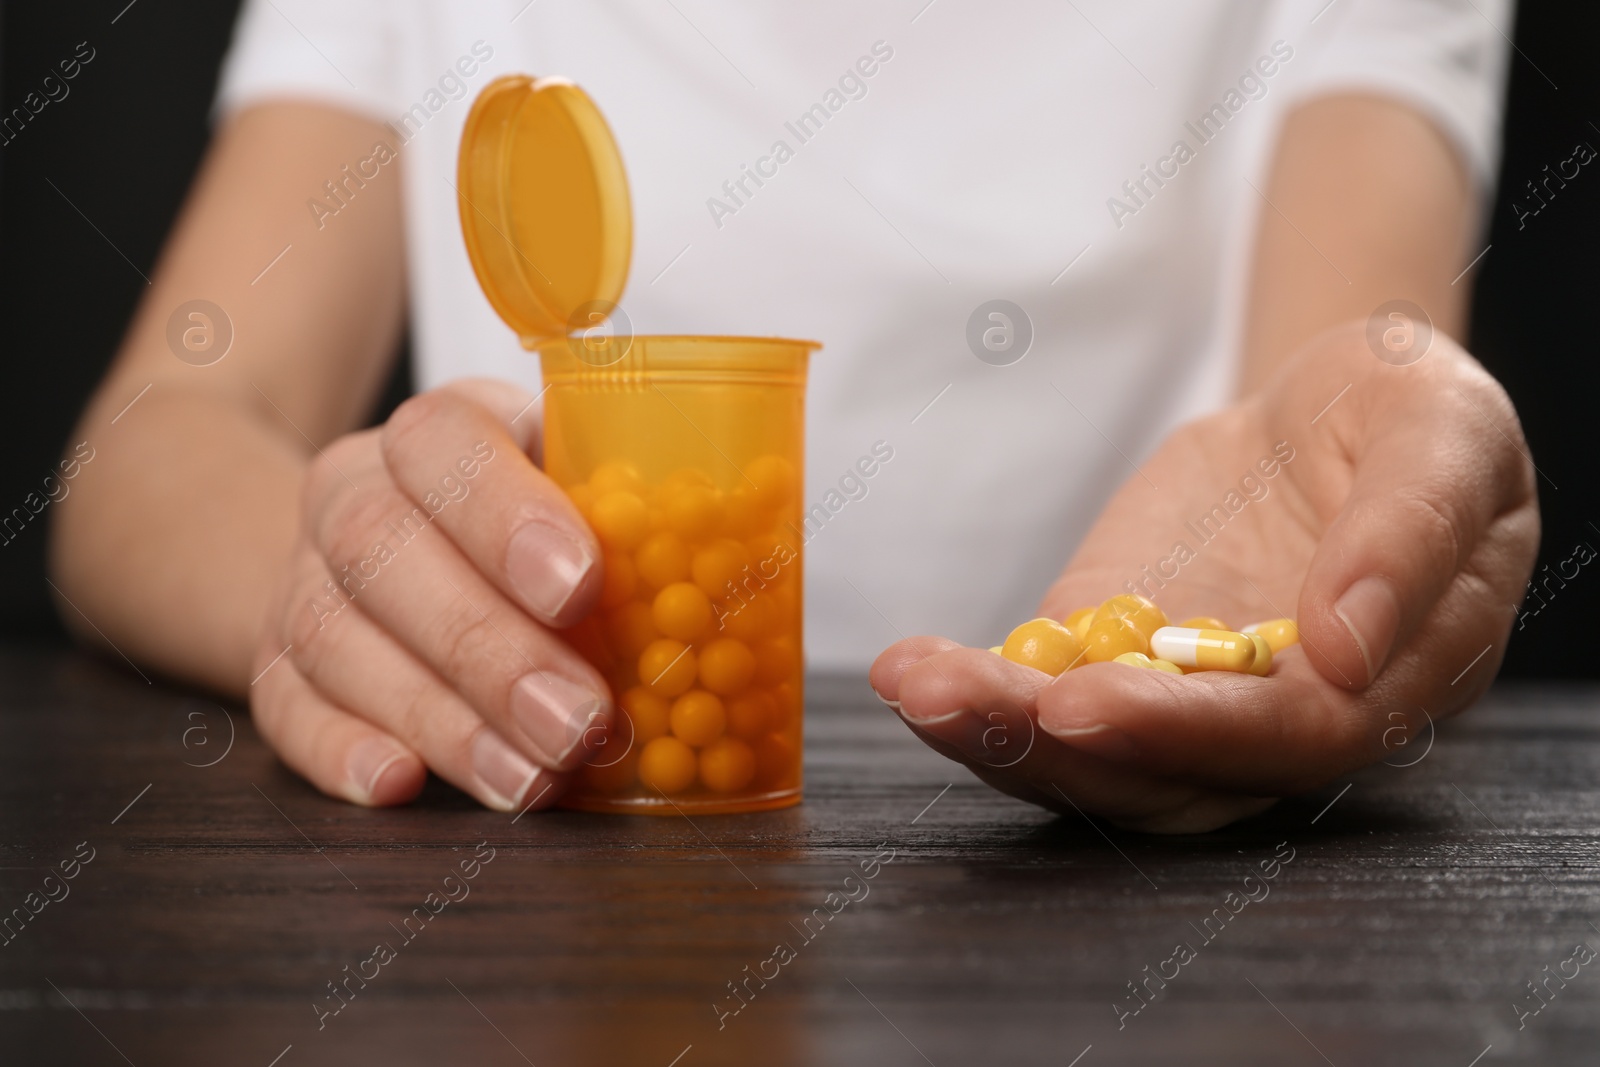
{"x": 685, "y": 454}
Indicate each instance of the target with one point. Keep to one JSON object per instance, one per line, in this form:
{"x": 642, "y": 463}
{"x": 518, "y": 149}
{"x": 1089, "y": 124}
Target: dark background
{"x": 125, "y": 142}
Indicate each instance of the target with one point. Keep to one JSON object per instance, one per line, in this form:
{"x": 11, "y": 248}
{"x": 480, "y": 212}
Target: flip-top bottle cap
{"x": 544, "y": 206}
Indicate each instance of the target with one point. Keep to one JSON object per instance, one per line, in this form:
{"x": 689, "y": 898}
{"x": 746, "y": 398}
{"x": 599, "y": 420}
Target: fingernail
{"x": 1101, "y": 740}
{"x": 504, "y": 773}
{"x": 368, "y": 762}
{"x": 546, "y": 566}
{"x": 1370, "y": 610}
{"x": 563, "y": 719}
{"x": 922, "y": 723}
{"x": 886, "y": 702}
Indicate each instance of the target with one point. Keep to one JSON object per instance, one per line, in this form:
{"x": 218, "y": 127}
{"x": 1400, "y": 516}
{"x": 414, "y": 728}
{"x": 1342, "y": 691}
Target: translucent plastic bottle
{"x": 684, "y": 454}
{"x": 686, "y": 457}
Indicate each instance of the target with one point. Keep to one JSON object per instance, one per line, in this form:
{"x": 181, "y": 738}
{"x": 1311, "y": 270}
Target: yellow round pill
{"x": 1043, "y": 644}
{"x": 620, "y": 519}
{"x": 668, "y": 765}
{"x": 662, "y": 560}
{"x": 777, "y": 660}
{"x": 694, "y": 512}
{"x": 726, "y": 666}
{"x": 1111, "y": 636}
{"x": 719, "y": 566}
{"x": 1136, "y": 609}
{"x": 749, "y": 620}
{"x": 773, "y": 551}
{"x": 681, "y": 610}
{"x": 751, "y": 714}
{"x": 1278, "y": 633}
{"x": 617, "y": 475}
{"x": 727, "y": 765}
{"x": 1166, "y": 665}
{"x": 647, "y": 714}
{"x": 997, "y": 649}
{"x": 667, "y": 667}
{"x": 743, "y": 514}
{"x": 685, "y": 476}
{"x": 1134, "y": 659}
{"x": 1078, "y": 622}
{"x": 774, "y": 480}
{"x": 698, "y": 718}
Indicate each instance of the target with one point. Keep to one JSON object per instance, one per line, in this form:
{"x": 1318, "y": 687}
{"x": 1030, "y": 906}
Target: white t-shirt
{"x": 939, "y": 155}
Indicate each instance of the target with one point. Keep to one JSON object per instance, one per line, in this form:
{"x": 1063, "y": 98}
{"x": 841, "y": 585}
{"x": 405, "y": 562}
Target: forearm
{"x": 171, "y": 540}
{"x": 173, "y": 537}
{"x": 1366, "y": 202}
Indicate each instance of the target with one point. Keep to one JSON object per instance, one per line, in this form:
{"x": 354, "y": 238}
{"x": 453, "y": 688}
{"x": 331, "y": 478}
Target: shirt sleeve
{"x": 1446, "y": 58}
{"x": 338, "y": 52}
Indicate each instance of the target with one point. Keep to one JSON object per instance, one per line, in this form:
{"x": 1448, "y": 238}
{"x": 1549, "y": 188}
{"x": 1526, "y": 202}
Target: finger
{"x": 1440, "y": 473}
{"x": 456, "y": 453}
{"x": 521, "y": 678}
{"x": 355, "y": 665}
{"x": 1272, "y": 736}
{"x": 977, "y": 709}
{"x": 893, "y": 662}
{"x": 337, "y": 752}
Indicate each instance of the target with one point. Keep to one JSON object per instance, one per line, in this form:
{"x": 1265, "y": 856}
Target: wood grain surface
{"x": 222, "y": 899}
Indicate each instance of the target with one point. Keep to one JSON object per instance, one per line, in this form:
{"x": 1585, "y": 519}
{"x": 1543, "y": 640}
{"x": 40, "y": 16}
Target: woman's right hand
{"x": 419, "y": 617}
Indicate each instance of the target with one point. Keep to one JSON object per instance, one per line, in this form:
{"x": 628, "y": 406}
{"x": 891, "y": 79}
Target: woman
{"x": 1225, "y": 235}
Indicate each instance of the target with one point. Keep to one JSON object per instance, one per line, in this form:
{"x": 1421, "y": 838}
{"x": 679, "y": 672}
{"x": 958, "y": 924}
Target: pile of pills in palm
{"x": 1130, "y": 629}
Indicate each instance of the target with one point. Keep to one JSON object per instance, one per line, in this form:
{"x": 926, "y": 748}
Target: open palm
{"x": 1389, "y": 509}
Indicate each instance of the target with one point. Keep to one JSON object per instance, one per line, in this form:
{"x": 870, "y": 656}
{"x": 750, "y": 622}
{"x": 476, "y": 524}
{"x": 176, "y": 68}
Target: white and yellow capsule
{"x": 1263, "y": 661}
{"x": 1206, "y": 650}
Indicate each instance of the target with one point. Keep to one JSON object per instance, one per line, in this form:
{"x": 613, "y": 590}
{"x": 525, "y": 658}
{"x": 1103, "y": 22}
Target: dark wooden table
{"x": 221, "y": 900}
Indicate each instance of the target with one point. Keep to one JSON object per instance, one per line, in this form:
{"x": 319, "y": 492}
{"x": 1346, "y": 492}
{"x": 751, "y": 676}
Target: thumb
{"x": 1435, "y": 455}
